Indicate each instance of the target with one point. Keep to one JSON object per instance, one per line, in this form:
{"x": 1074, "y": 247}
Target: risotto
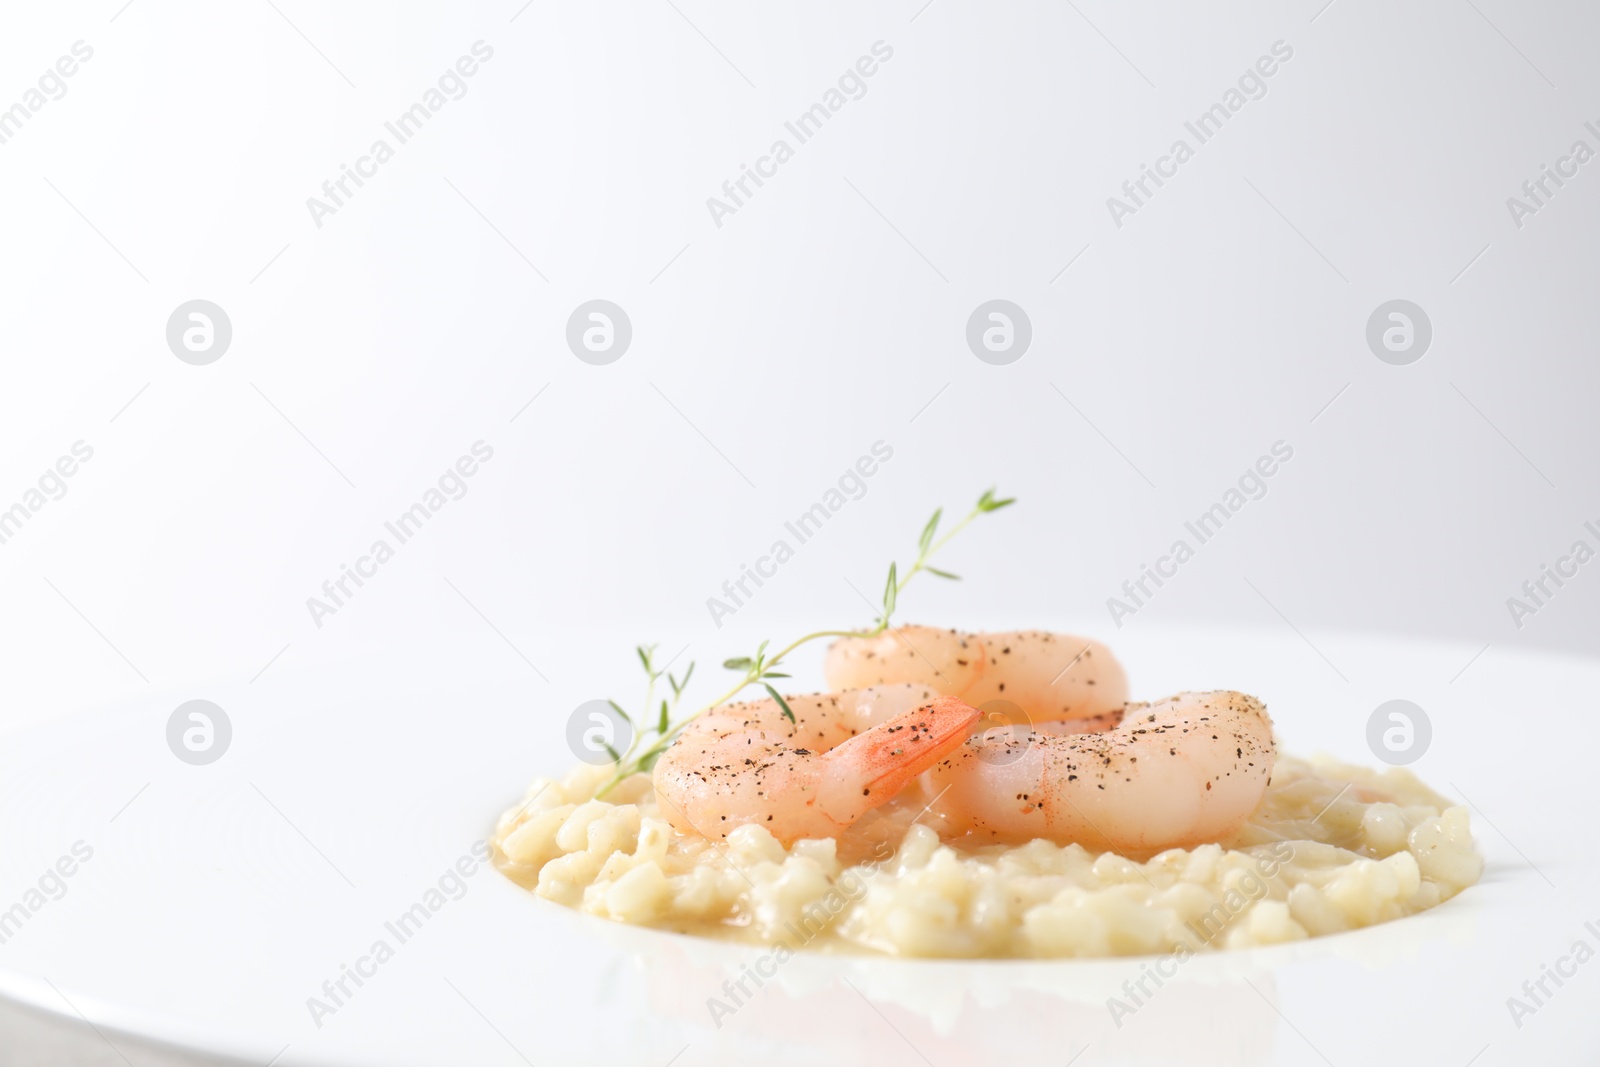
{"x": 1332, "y": 847}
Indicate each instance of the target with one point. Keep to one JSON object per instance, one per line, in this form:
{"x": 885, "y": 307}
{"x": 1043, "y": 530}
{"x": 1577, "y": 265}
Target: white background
{"x": 769, "y": 353}
{"x": 794, "y": 336}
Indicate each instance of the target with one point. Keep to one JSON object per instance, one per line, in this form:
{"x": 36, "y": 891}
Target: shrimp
{"x": 1048, "y": 677}
{"x": 843, "y": 755}
{"x": 1180, "y": 772}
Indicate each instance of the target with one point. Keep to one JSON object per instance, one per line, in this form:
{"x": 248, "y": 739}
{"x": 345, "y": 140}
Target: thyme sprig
{"x": 642, "y": 752}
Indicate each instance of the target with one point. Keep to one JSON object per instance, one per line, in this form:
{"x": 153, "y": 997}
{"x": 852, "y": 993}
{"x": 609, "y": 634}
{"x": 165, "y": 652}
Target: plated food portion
{"x": 979, "y": 795}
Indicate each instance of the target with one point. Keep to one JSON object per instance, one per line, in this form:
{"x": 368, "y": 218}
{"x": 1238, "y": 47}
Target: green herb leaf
{"x": 648, "y": 763}
{"x": 927, "y": 532}
{"x": 773, "y": 674}
{"x": 616, "y": 757}
{"x": 742, "y": 663}
{"x": 677, "y": 686}
{"x": 891, "y": 590}
{"x": 619, "y": 710}
{"x": 987, "y": 502}
{"x": 782, "y": 703}
{"x": 644, "y": 658}
{"x": 942, "y": 574}
{"x": 661, "y": 727}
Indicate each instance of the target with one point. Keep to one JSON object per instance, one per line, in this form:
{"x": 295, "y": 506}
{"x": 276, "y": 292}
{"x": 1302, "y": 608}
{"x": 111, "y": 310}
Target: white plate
{"x": 222, "y": 897}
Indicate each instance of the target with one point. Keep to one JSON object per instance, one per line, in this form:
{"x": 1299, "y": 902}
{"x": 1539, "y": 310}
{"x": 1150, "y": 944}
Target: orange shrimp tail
{"x": 889, "y": 756}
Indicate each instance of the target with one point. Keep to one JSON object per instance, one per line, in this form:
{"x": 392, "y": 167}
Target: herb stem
{"x": 758, "y": 668}
{"x": 922, "y": 559}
